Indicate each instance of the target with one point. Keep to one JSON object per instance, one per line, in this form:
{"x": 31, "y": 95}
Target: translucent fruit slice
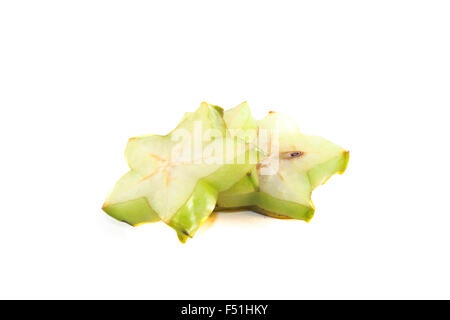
{"x": 281, "y": 184}
{"x": 176, "y": 178}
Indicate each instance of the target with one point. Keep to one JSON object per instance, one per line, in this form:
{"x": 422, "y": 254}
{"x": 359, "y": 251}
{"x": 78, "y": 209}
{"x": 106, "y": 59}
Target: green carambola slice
{"x": 281, "y": 184}
{"x": 176, "y": 178}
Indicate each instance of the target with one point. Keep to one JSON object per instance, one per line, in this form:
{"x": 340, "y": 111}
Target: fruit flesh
{"x": 169, "y": 181}
{"x": 304, "y": 162}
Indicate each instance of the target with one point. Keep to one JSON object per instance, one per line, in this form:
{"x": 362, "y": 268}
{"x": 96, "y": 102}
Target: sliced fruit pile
{"x": 218, "y": 161}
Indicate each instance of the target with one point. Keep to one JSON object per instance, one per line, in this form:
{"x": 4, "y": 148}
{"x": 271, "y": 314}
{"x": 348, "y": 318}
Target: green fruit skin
{"x": 182, "y": 237}
{"x": 188, "y": 219}
{"x": 264, "y": 203}
{"x": 322, "y": 172}
{"x": 133, "y": 212}
{"x": 196, "y": 210}
{"x": 245, "y": 194}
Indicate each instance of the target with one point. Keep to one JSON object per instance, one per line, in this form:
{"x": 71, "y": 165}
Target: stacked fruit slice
{"x": 217, "y": 160}
{"x": 293, "y": 165}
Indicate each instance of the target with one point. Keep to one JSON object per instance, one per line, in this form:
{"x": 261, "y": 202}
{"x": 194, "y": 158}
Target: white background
{"x": 78, "y": 78}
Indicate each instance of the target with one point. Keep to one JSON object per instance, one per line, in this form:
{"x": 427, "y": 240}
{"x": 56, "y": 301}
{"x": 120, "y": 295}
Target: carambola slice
{"x": 294, "y": 164}
{"x": 176, "y": 178}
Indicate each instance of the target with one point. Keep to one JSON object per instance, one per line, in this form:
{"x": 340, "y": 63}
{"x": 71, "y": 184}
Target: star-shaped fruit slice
{"x": 176, "y": 178}
{"x": 293, "y": 165}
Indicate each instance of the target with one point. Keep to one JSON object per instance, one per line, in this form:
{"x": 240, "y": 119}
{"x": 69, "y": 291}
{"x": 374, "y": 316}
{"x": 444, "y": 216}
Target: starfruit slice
{"x": 293, "y": 165}
{"x": 176, "y": 178}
